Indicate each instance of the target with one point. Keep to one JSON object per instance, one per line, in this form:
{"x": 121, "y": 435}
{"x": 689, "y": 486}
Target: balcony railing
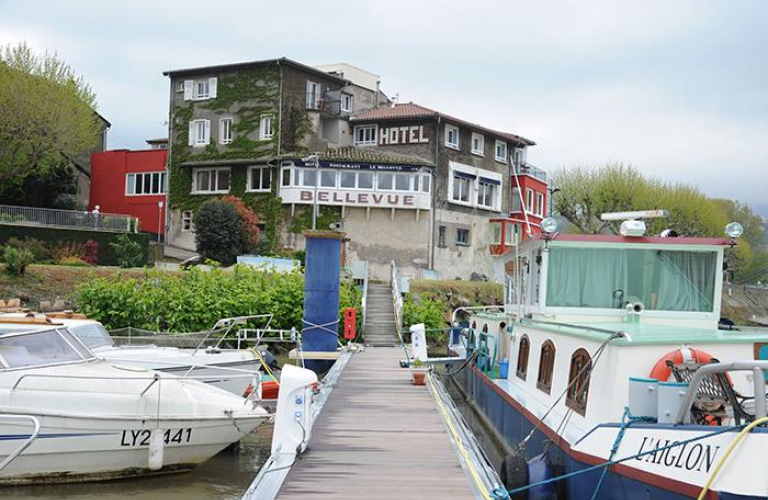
{"x": 528, "y": 169}
{"x": 72, "y": 219}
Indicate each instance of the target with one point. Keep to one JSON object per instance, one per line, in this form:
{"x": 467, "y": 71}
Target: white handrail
{"x": 364, "y": 300}
{"x": 153, "y": 378}
{"x": 36, "y": 430}
{"x": 397, "y": 297}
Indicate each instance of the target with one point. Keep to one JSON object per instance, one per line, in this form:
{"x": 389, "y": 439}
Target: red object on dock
{"x": 350, "y": 320}
{"x": 269, "y": 389}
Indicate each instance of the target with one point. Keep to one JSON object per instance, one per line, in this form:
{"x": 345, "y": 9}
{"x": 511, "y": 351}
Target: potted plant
{"x": 418, "y": 371}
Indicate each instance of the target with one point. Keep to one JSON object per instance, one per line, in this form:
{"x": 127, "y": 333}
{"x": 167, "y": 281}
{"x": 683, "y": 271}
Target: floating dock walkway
{"x": 378, "y": 436}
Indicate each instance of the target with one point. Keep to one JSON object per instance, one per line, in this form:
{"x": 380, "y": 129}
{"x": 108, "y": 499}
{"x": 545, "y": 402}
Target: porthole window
{"x": 578, "y": 381}
{"x": 546, "y": 366}
{"x": 522, "y": 357}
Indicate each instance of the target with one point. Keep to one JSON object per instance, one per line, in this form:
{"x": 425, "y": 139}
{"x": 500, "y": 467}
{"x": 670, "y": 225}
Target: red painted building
{"x": 529, "y": 199}
{"x": 132, "y": 183}
{"x": 528, "y": 206}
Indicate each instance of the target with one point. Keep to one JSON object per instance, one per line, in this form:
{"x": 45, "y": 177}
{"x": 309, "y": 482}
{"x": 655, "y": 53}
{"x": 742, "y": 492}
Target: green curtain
{"x": 663, "y": 280}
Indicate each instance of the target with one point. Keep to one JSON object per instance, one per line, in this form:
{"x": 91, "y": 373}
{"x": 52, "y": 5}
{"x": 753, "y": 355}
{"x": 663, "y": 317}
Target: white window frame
{"x": 248, "y": 184}
{"x": 529, "y": 200}
{"x": 366, "y": 141}
{"x": 462, "y": 181}
{"x": 483, "y": 186}
{"x": 313, "y": 94}
{"x": 265, "y": 128}
{"x": 448, "y": 130}
{"x": 480, "y": 149}
{"x": 322, "y": 171}
{"x": 225, "y": 130}
{"x": 192, "y": 92}
{"x": 474, "y": 183}
{"x": 347, "y": 101}
{"x": 500, "y": 157}
{"x": 163, "y": 179}
{"x": 214, "y": 173}
{"x": 516, "y": 205}
{"x": 187, "y": 221}
{"x": 540, "y": 204}
{"x": 196, "y": 140}
{"x": 469, "y": 237}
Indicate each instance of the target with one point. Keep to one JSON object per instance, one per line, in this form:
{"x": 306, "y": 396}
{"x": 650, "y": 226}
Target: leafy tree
{"x": 249, "y": 221}
{"x": 585, "y": 193}
{"x": 48, "y": 118}
{"x": 218, "y": 232}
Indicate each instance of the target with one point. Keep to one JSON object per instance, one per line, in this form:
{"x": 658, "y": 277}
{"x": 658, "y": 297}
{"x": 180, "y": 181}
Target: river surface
{"x": 224, "y": 477}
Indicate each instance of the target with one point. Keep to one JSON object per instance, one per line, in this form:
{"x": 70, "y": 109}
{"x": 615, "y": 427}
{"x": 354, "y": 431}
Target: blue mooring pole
{"x": 321, "y": 295}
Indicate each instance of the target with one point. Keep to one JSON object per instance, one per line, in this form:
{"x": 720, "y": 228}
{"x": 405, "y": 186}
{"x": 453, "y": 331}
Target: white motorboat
{"x": 234, "y": 370}
{"x": 80, "y": 418}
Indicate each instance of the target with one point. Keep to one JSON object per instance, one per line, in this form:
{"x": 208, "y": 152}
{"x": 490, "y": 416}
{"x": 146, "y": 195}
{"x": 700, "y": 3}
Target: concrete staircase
{"x": 380, "y": 328}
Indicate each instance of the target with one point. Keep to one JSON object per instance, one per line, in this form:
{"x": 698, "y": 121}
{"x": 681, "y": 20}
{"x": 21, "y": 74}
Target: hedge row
{"x": 53, "y": 236}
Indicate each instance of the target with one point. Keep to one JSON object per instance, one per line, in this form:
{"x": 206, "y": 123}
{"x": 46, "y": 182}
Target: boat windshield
{"x": 40, "y": 348}
{"x": 608, "y": 278}
{"x": 92, "y": 335}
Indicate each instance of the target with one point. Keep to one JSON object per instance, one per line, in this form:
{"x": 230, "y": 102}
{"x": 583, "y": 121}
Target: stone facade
{"x": 409, "y": 184}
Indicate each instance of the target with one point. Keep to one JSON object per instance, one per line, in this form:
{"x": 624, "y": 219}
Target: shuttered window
{"x": 546, "y": 366}
{"x": 578, "y": 381}
{"x": 522, "y": 357}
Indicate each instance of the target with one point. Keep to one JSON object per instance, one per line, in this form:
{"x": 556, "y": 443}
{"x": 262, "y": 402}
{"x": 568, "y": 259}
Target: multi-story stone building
{"x": 471, "y": 179}
{"x": 408, "y": 184}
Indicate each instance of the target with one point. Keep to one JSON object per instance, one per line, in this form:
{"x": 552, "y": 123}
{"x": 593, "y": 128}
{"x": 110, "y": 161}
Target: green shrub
{"x": 39, "y": 250}
{"x": 427, "y": 311}
{"x": 129, "y": 253}
{"x": 17, "y": 260}
{"x": 73, "y": 262}
{"x": 195, "y": 300}
{"x": 218, "y": 232}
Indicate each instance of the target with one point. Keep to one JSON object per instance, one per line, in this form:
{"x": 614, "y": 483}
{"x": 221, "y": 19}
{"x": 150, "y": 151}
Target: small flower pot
{"x": 419, "y": 377}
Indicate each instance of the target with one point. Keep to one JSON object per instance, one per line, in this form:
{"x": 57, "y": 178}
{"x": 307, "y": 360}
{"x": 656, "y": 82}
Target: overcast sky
{"x": 679, "y": 89}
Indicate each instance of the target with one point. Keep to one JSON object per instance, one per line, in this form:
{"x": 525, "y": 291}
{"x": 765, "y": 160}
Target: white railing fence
{"x": 397, "y": 296}
{"x": 80, "y": 219}
{"x": 364, "y": 300}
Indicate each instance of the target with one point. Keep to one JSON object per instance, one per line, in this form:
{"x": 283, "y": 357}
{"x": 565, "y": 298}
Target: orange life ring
{"x": 662, "y": 372}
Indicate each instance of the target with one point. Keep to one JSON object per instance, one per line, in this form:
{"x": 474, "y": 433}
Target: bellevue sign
{"x": 357, "y": 198}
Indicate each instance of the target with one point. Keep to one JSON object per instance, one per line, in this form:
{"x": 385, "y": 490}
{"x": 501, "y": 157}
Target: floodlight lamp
{"x": 549, "y": 225}
{"x": 734, "y": 229}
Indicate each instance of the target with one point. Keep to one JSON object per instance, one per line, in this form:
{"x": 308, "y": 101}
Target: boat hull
{"x": 512, "y": 423}
{"x": 77, "y": 449}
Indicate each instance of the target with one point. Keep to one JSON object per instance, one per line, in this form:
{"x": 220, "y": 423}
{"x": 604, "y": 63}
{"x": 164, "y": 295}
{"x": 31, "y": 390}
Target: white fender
{"x": 292, "y": 417}
{"x": 156, "y": 450}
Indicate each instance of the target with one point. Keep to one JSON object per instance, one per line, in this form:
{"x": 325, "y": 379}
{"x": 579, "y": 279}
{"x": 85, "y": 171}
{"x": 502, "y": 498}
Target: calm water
{"x": 224, "y": 477}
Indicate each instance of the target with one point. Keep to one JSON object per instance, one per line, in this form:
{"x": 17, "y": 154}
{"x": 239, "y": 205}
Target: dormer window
{"x": 478, "y": 144}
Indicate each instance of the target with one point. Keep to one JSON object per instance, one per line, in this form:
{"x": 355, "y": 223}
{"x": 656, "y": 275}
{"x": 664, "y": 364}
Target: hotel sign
{"x": 389, "y": 136}
{"x": 358, "y": 166}
{"x": 356, "y": 198}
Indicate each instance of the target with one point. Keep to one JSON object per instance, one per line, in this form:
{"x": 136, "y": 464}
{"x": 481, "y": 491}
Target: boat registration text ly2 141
{"x": 140, "y": 437}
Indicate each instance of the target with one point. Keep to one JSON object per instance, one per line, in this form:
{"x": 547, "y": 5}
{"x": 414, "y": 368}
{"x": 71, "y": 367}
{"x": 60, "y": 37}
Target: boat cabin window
{"x": 609, "y": 278}
{"x": 93, "y": 335}
{"x": 40, "y": 348}
{"x": 522, "y": 357}
{"x": 578, "y": 381}
{"x": 546, "y": 366}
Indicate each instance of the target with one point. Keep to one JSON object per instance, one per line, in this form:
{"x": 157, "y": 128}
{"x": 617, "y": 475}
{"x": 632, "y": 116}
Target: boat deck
{"x": 378, "y": 437}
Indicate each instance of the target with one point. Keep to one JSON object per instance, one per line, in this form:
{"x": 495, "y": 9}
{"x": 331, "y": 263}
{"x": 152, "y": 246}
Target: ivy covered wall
{"x": 245, "y": 95}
